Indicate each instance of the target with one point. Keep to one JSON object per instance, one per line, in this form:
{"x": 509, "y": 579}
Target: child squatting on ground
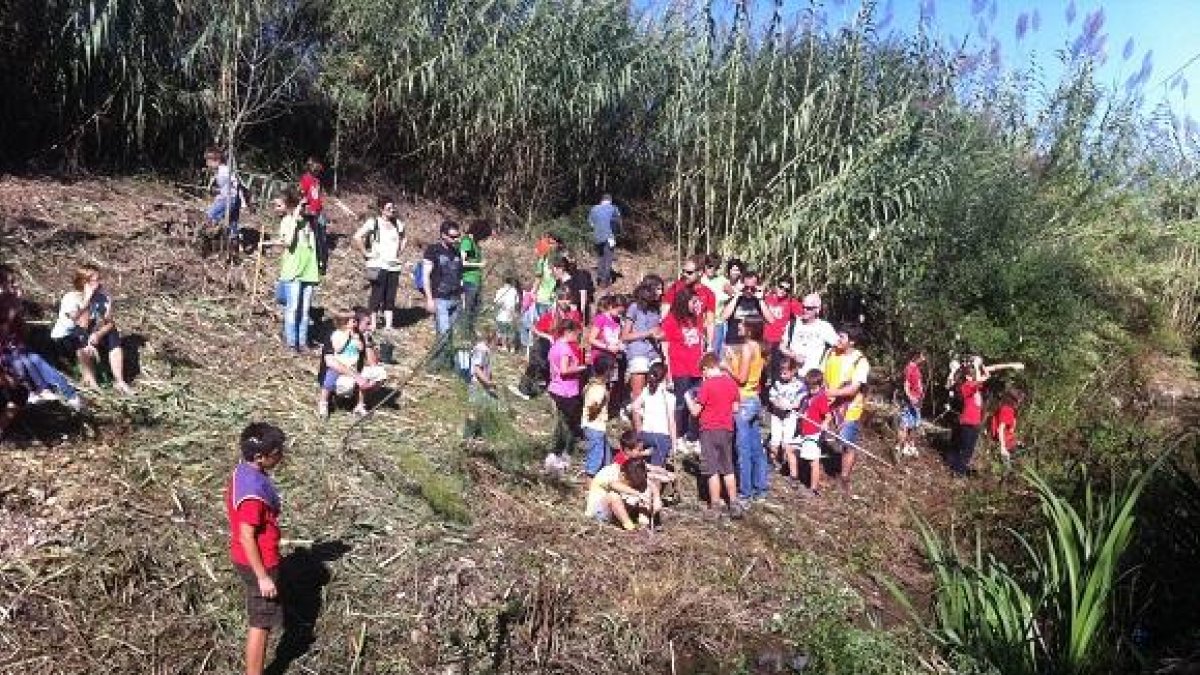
{"x": 252, "y": 506}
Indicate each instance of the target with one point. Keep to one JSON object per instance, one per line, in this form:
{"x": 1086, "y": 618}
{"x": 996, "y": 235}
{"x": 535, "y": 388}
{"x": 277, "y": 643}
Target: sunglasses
{"x": 809, "y": 308}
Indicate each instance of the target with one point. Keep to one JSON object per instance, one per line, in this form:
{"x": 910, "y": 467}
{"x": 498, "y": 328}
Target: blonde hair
{"x": 82, "y": 274}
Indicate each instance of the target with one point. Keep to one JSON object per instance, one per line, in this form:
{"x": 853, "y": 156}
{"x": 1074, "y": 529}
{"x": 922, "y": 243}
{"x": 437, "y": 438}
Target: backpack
{"x": 372, "y": 237}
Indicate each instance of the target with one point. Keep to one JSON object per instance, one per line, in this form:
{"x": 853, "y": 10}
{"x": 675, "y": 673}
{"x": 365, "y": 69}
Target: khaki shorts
{"x": 260, "y": 612}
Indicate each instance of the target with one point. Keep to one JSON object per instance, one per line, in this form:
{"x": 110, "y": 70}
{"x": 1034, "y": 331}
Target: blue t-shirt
{"x": 642, "y": 320}
{"x": 602, "y": 217}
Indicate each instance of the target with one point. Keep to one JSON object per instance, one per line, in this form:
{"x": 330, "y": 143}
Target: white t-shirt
{"x": 506, "y": 302}
{"x": 69, "y": 308}
{"x": 657, "y": 410}
{"x": 384, "y": 252}
{"x": 810, "y": 341}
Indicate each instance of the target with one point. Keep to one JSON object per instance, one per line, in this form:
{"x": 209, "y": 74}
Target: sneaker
{"x": 37, "y": 398}
{"x": 552, "y": 463}
{"x": 323, "y": 410}
{"x": 736, "y": 511}
{"x": 744, "y": 504}
{"x": 516, "y": 391}
{"x": 74, "y": 403}
{"x": 360, "y": 410}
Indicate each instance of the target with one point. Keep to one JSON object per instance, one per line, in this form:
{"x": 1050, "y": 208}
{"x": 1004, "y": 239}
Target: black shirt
{"x": 445, "y": 280}
{"x": 746, "y": 309}
{"x": 579, "y": 282}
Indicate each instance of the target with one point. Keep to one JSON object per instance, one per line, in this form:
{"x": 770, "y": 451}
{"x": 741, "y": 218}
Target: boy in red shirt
{"x": 715, "y": 403}
{"x": 252, "y": 506}
{"x": 815, "y": 414}
{"x": 314, "y": 208}
{"x": 1004, "y": 424}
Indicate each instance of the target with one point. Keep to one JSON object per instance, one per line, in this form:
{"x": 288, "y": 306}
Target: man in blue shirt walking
{"x": 606, "y": 222}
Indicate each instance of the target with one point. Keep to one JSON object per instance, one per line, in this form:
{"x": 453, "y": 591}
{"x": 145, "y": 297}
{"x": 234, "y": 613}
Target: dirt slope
{"x": 112, "y": 535}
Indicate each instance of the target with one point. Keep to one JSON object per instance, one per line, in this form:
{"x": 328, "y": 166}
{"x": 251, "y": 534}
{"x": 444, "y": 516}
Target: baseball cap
{"x": 812, "y": 300}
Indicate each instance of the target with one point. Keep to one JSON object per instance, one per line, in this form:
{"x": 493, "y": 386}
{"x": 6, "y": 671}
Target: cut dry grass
{"x": 418, "y": 554}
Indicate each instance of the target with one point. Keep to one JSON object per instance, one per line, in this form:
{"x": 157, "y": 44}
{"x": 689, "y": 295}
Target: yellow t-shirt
{"x": 754, "y": 377}
{"x": 843, "y": 369}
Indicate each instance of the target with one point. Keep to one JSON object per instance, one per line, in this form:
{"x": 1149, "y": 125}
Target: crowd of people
{"x": 717, "y": 371}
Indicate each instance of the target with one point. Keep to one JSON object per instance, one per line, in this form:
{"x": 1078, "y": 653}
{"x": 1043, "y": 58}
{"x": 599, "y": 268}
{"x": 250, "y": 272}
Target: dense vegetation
{"x": 923, "y": 187}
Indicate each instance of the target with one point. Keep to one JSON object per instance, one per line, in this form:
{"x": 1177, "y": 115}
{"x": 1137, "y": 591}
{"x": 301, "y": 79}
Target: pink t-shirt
{"x": 609, "y": 333}
{"x": 559, "y": 385}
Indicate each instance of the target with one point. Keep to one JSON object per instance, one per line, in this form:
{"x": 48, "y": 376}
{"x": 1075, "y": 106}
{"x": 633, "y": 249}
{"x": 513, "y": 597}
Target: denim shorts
{"x": 910, "y": 416}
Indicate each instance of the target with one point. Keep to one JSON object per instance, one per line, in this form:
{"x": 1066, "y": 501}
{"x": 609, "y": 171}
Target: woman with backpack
{"x": 381, "y": 241}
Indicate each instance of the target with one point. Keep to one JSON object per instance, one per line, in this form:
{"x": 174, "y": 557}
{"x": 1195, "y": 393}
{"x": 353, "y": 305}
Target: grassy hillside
{"x": 419, "y": 554}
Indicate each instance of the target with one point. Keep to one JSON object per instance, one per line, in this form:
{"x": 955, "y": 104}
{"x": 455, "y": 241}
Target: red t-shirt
{"x": 1006, "y": 415}
{"x": 780, "y": 310}
{"x": 912, "y": 377}
{"x": 547, "y": 322}
{"x": 717, "y": 396}
{"x": 972, "y": 397}
{"x": 266, "y": 529}
{"x": 310, "y": 190}
{"x": 816, "y": 411}
{"x": 707, "y": 302}
{"x": 685, "y": 347}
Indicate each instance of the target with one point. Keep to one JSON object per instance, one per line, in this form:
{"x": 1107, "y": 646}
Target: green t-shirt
{"x": 471, "y": 254}
{"x": 546, "y": 282}
{"x": 299, "y": 262}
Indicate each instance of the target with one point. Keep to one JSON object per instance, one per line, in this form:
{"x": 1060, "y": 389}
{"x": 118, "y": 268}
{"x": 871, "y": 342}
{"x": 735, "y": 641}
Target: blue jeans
{"x": 597, "y": 453}
{"x": 604, "y": 261}
{"x": 37, "y": 373}
{"x": 471, "y": 300}
{"x": 297, "y": 303}
{"x": 753, "y": 470}
{"x": 445, "y": 313}
{"x": 216, "y": 213}
{"x": 659, "y": 446}
{"x": 718, "y": 338}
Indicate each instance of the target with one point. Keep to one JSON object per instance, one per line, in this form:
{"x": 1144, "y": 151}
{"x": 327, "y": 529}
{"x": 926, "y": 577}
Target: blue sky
{"x": 1149, "y": 46}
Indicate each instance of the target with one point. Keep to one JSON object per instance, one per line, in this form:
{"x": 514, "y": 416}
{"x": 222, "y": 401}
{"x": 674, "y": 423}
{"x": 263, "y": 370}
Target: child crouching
{"x": 622, "y": 493}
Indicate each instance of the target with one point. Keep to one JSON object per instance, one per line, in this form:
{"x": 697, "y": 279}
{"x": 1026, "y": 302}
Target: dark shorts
{"x": 260, "y": 612}
{"x": 716, "y": 452}
{"x": 78, "y": 339}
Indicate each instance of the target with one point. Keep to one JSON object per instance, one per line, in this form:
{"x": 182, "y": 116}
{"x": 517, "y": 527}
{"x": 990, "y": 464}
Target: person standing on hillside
{"x": 472, "y": 276}
{"x": 605, "y": 219}
{"x": 846, "y": 373}
{"x": 715, "y": 404}
{"x": 910, "y": 405}
{"x": 252, "y": 506}
{"x": 683, "y": 346}
{"x": 778, "y": 308}
{"x": 381, "y": 241}
{"x": 227, "y": 204}
{"x": 809, "y": 338}
{"x": 299, "y": 271}
{"x": 721, "y": 288}
{"x": 703, "y": 303}
{"x": 547, "y": 249}
{"x": 743, "y": 309}
{"x": 312, "y": 198}
{"x": 441, "y": 272}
